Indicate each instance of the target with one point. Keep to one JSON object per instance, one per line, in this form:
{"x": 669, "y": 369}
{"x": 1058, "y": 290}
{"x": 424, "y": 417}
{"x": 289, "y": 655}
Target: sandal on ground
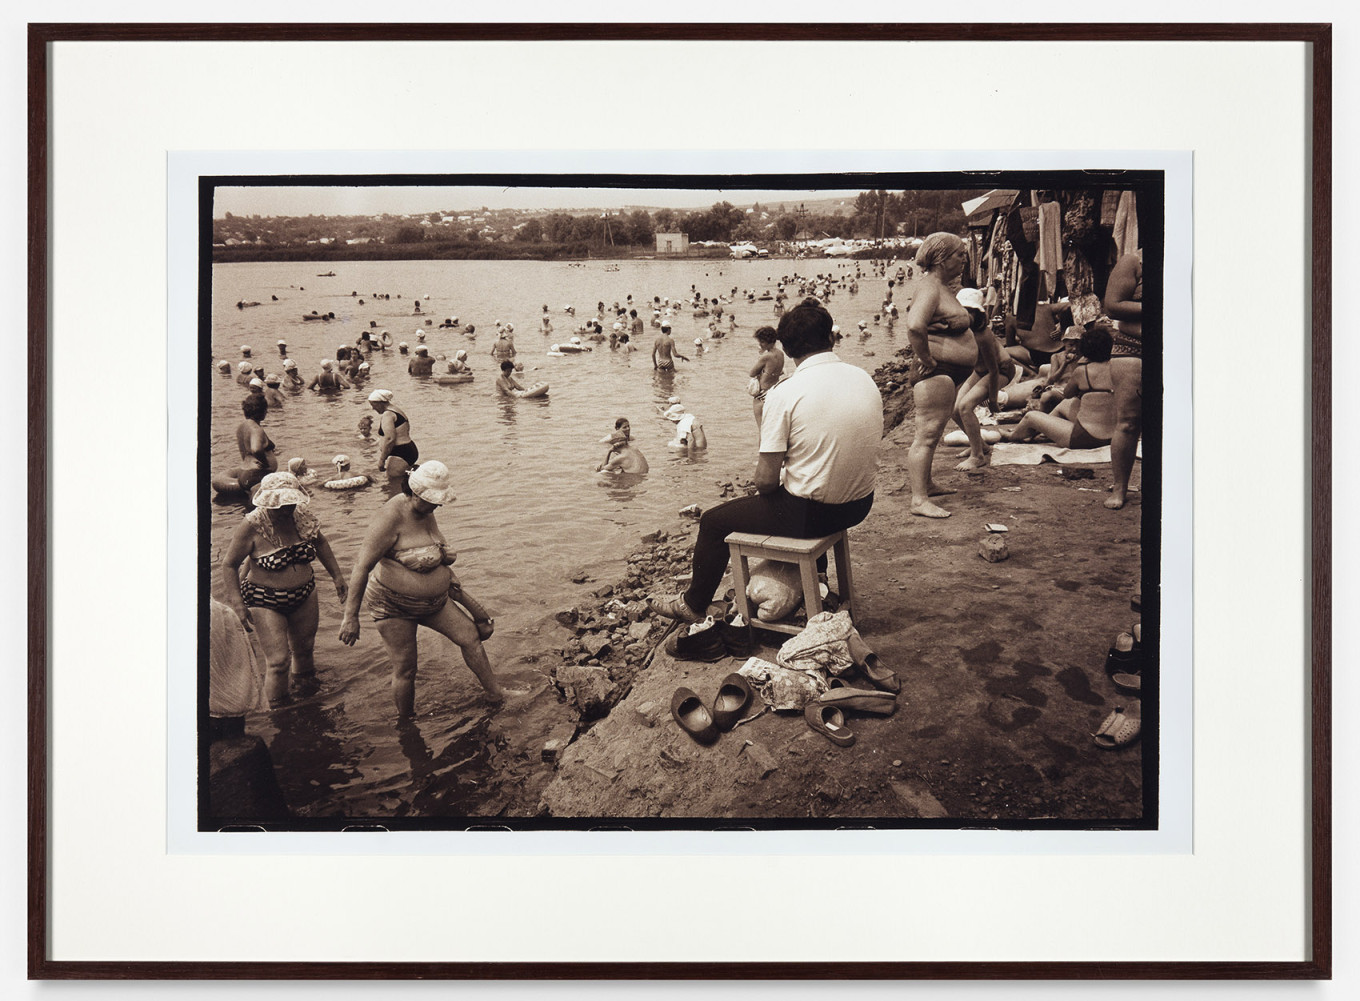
{"x": 829, "y": 722}
{"x": 1125, "y": 656}
{"x": 731, "y": 701}
{"x": 692, "y": 716}
{"x": 1120, "y": 729}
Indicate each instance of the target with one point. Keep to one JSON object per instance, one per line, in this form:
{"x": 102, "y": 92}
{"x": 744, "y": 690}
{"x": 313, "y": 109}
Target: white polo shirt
{"x": 827, "y": 418}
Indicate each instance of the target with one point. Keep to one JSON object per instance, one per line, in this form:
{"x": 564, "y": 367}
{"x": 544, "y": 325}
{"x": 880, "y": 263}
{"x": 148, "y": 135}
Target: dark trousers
{"x": 778, "y": 513}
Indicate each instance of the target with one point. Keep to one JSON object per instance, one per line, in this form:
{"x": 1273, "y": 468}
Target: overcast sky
{"x": 301, "y": 201}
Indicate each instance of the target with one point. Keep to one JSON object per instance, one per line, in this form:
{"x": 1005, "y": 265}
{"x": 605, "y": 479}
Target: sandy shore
{"x": 1002, "y": 669}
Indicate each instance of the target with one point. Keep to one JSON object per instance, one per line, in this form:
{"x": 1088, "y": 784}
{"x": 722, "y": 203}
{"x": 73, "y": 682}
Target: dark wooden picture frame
{"x": 1317, "y": 921}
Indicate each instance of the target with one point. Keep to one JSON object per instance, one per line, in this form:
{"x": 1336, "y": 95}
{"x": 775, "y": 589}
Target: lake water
{"x": 530, "y": 510}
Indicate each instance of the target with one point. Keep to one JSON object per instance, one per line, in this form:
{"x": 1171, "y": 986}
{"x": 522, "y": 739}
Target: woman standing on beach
{"x": 943, "y": 355}
{"x": 277, "y": 599}
{"x": 404, "y": 567}
{"x": 397, "y": 452}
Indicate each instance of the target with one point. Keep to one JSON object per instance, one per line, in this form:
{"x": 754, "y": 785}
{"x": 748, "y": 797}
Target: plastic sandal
{"x": 1118, "y": 730}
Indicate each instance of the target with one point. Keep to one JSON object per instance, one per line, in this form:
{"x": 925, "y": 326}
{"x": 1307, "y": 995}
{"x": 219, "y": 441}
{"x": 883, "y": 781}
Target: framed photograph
{"x": 469, "y": 565}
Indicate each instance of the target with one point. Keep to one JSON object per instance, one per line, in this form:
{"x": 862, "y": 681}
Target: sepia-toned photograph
{"x": 660, "y": 502}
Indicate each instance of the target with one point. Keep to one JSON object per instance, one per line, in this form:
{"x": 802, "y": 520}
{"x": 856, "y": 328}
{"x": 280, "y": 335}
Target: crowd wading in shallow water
{"x": 1062, "y": 368}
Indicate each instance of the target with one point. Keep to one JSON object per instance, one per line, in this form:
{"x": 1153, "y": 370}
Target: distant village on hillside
{"x": 871, "y": 219}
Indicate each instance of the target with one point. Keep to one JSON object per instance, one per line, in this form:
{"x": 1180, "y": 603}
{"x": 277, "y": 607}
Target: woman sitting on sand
{"x": 258, "y": 458}
{"x": 944, "y": 353}
{"x": 404, "y": 567}
{"x": 277, "y": 599}
{"x": 397, "y": 451}
{"x": 1086, "y": 417}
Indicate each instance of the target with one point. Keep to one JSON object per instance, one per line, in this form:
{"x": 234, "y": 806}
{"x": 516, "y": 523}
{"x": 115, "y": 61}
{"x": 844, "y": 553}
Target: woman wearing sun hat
{"x": 280, "y": 538}
{"x": 398, "y": 451}
{"x": 403, "y": 566}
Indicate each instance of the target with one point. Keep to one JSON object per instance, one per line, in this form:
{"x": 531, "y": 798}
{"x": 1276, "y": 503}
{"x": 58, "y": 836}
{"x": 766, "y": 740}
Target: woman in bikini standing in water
{"x": 411, "y": 585}
{"x": 398, "y": 452}
{"x": 944, "y": 353}
{"x": 277, "y": 599}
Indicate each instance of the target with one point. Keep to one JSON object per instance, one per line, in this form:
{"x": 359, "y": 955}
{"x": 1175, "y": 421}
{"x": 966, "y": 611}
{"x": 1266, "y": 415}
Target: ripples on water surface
{"x": 530, "y": 510}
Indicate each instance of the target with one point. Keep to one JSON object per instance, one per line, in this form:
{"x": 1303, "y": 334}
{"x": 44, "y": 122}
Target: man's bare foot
{"x": 975, "y": 462}
{"x": 928, "y": 510}
{"x": 1115, "y": 501}
{"x": 935, "y": 490}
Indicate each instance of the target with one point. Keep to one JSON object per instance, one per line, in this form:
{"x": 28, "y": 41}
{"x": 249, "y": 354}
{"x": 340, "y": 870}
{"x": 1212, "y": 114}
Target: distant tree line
{"x": 873, "y": 215}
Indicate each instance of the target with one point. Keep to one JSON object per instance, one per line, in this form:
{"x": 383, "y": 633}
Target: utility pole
{"x": 801, "y": 215}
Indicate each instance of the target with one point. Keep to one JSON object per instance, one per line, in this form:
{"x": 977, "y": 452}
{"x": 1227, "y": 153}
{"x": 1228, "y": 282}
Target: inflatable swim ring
{"x": 541, "y": 389}
{"x": 348, "y": 483}
{"x": 453, "y": 378}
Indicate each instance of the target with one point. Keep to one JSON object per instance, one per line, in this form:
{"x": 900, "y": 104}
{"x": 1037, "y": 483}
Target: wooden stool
{"x": 784, "y": 549}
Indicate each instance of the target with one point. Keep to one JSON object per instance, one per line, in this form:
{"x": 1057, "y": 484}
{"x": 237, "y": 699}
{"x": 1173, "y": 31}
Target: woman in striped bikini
{"x": 277, "y": 598}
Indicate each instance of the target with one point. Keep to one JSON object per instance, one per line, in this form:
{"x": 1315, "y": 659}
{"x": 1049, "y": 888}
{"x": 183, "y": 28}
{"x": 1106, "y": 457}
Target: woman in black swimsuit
{"x": 398, "y": 452}
{"x": 404, "y": 568}
{"x": 944, "y": 353}
{"x": 1086, "y": 417}
{"x": 257, "y": 451}
{"x": 280, "y": 537}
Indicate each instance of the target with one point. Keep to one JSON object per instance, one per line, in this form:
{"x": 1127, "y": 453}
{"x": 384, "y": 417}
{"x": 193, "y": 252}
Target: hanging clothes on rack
{"x": 1126, "y": 224}
{"x": 1048, "y": 255}
{"x": 1022, "y": 230}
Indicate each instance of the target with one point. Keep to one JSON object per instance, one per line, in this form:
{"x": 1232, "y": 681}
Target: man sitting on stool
{"x": 820, "y": 428}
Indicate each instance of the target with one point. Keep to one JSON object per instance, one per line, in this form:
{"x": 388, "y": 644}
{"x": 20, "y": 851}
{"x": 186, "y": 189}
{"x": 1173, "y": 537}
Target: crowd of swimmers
{"x": 1084, "y": 393}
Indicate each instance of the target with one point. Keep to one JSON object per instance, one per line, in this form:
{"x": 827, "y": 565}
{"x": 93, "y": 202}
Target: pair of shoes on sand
{"x": 827, "y": 714}
{"x": 709, "y": 640}
{"x": 701, "y": 722}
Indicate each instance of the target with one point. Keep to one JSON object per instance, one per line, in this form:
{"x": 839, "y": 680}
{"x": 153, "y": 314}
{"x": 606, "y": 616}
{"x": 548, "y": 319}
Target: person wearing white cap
{"x": 245, "y": 371}
{"x": 458, "y": 365}
{"x": 283, "y": 349}
{"x": 328, "y": 380}
{"x": 224, "y": 366}
{"x": 421, "y": 363}
{"x": 817, "y": 462}
{"x": 993, "y": 369}
{"x": 397, "y": 451}
{"x": 277, "y": 599}
{"x": 272, "y": 395}
{"x": 504, "y": 348}
{"x": 404, "y": 567}
{"x": 290, "y": 374}
{"x": 245, "y": 350}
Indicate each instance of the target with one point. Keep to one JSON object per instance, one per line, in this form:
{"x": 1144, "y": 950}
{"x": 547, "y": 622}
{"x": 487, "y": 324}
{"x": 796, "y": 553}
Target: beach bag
{"x": 823, "y": 645}
{"x": 775, "y": 589}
